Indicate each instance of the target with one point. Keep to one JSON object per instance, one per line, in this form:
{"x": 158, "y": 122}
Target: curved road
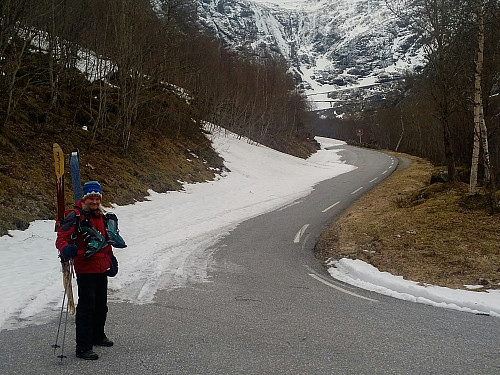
{"x": 270, "y": 308}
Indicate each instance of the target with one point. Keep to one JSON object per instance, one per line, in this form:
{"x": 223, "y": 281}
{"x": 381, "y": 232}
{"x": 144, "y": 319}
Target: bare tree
{"x": 480, "y": 130}
{"x": 438, "y": 22}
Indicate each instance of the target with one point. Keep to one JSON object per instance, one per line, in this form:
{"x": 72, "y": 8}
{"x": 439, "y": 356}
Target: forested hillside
{"x": 130, "y": 86}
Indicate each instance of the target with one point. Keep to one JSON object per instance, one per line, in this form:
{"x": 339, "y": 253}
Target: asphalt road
{"x": 270, "y": 308}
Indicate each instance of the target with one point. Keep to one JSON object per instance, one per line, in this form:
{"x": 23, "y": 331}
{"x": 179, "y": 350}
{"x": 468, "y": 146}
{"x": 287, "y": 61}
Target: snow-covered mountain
{"x": 333, "y": 46}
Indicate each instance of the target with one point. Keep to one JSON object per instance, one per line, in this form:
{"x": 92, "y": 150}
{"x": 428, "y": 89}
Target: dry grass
{"x": 433, "y": 234}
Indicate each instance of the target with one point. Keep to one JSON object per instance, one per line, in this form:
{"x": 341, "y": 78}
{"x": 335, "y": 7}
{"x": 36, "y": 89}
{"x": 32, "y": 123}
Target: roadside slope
{"x": 435, "y": 234}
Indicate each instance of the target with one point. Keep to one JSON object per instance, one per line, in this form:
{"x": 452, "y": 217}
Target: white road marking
{"x": 300, "y": 233}
{"x": 375, "y": 179}
{"x": 333, "y": 205}
{"x": 358, "y": 189}
{"x": 289, "y": 205}
{"x": 384, "y": 172}
{"x": 340, "y": 289}
{"x": 305, "y": 241}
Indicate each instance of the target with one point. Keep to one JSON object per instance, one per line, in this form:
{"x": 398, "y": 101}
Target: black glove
{"x": 69, "y": 251}
{"x": 113, "y": 268}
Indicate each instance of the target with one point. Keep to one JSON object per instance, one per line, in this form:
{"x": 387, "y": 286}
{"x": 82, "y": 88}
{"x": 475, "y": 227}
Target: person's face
{"x": 93, "y": 202}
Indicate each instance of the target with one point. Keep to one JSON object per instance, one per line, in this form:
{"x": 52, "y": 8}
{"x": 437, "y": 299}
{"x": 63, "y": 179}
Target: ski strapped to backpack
{"x": 74, "y": 165}
{"x": 67, "y": 265}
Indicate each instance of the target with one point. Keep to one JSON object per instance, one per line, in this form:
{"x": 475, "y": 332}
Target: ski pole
{"x": 55, "y": 346}
{"x": 67, "y": 286}
{"x": 62, "y": 356}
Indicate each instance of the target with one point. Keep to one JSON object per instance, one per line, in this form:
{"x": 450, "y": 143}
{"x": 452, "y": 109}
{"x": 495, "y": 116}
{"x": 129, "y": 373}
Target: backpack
{"x": 94, "y": 239}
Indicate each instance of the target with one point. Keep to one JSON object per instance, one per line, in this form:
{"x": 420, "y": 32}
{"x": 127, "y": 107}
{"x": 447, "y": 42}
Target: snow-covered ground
{"x": 363, "y": 275}
{"x": 169, "y": 237}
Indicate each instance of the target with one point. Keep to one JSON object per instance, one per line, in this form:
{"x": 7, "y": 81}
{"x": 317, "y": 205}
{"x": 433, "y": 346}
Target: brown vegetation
{"x": 436, "y": 234}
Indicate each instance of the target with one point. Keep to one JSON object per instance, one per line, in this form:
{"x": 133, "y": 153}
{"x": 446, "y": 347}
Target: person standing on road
{"x": 84, "y": 237}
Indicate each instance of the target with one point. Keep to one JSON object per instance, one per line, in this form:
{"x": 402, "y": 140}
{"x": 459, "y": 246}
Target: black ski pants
{"x": 91, "y": 310}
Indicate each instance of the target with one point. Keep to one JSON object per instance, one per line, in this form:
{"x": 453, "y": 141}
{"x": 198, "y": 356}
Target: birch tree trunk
{"x": 480, "y": 130}
{"x": 475, "y": 156}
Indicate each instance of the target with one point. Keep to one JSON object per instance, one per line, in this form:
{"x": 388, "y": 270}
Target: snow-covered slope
{"x": 331, "y": 44}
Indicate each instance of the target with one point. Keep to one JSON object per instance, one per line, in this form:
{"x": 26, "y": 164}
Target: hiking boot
{"x": 86, "y": 354}
{"x": 104, "y": 342}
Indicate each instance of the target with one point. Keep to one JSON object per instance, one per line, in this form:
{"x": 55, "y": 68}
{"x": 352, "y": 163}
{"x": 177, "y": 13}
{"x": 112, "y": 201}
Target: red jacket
{"x": 97, "y": 263}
